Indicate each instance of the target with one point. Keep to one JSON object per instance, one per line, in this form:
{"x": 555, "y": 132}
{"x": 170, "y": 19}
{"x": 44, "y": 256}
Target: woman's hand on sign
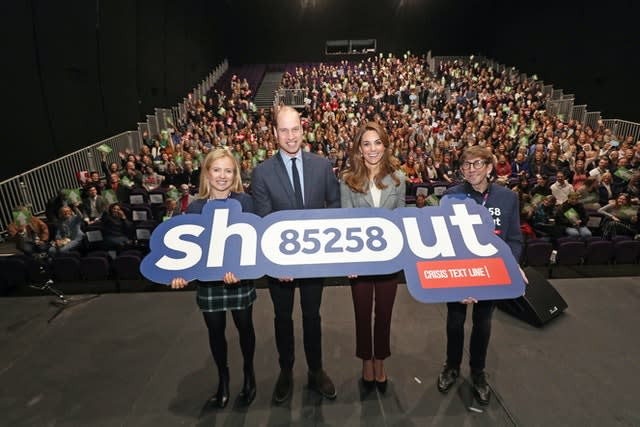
{"x": 178, "y": 283}
{"x": 230, "y": 278}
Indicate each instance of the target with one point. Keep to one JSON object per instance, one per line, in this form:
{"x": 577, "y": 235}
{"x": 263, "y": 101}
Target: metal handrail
{"x": 35, "y": 187}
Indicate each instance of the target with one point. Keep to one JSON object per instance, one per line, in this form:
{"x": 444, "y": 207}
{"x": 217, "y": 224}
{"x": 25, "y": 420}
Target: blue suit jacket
{"x": 272, "y": 191}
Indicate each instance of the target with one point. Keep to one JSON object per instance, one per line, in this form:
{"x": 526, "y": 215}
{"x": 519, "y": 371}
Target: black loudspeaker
{"x": 540, "y": 304}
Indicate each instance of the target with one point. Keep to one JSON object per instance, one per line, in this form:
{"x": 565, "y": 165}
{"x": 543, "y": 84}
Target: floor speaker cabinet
{"x": 540, "y": 304}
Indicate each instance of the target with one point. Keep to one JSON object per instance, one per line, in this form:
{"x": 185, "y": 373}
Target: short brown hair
{"x": 477, "y": 151}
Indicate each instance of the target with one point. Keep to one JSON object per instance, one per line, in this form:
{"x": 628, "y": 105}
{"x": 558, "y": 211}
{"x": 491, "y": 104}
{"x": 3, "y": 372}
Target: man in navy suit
{"x": 295, "y": 179}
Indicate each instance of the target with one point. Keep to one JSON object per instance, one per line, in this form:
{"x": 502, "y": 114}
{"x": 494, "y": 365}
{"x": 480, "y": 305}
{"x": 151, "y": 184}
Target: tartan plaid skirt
{"x": 216, "y": 296}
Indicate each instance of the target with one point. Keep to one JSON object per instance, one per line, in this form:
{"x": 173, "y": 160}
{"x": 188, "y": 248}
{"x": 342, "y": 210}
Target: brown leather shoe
{"x": 319, "y": 381}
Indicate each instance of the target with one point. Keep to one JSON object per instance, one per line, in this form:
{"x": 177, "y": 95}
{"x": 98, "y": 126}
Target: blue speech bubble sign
{"x": 447, "y": 253}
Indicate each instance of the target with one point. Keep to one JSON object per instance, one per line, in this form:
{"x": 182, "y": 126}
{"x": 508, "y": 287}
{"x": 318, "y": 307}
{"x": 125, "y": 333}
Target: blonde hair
{"x": 219, "y": 153}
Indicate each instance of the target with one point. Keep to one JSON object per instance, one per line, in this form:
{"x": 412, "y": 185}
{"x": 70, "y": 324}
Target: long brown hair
{"x": 356, "y": 176}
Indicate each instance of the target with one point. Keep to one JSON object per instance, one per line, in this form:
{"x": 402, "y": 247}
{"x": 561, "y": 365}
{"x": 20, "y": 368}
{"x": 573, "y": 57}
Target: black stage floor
{"x": 142, "y": 360}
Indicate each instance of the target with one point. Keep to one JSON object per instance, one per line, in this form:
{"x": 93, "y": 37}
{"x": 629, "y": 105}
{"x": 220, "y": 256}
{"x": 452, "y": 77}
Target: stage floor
{"x": 143, "y": 360}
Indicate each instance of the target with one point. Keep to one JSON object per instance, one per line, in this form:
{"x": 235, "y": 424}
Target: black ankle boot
{"x": 222, "y": 396}
{"x": 248, "y": 392}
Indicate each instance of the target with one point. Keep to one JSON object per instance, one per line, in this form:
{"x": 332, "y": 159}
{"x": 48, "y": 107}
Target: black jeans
{"x": 216, "y": 323}
{"x": 282, "y": 295}
{"x": 480, "y": 333}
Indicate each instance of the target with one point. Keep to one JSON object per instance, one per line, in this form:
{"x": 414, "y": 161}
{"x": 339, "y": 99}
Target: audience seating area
{"x": 430, "y": 115}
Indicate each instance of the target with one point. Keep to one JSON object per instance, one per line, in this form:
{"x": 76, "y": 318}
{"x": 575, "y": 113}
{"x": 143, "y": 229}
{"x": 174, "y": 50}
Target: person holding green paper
{"x": 29, "y": 232}
{"x": 621, "y": 174}
{"x": 573, "y": 217}
{"x": 621, "y": 218}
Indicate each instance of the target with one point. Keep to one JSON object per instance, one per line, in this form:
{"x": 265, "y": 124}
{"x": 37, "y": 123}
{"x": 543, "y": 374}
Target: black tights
{"x": 216, "y": 323}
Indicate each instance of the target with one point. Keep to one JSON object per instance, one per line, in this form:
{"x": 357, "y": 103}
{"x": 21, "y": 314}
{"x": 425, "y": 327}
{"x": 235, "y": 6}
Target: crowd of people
{"x": 375, "y": 133}
{"x": 430, "y": 119}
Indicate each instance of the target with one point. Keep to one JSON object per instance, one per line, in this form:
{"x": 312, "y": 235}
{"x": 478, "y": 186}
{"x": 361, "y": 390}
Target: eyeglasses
{"x": 478, "y": 164}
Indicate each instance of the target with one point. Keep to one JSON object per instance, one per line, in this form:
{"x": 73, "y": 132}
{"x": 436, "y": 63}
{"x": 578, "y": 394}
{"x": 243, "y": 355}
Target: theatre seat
{"x": 66, "y": 268}
{"x": 626, "y": 251}
{"x": 598, "y": 252}
{"x": 127, "y": 267}
{"x": 95, "y": 267}
{"x": 537, "y": 253}
{"x": 570, "y": 252}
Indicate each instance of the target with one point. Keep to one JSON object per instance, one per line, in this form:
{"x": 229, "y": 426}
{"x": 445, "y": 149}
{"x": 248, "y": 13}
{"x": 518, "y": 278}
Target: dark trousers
{"x": 282, "y": 294}
{"x": 216, "y": 323}
{"x": 363, "y": 291}
{"x": 480, "y": 333}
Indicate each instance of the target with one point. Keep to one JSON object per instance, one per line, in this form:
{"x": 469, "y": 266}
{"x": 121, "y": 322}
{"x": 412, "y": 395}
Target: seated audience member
{"x": 185, "y": 199}
{"x": 589, "y": 194}
{"x": 522, "y": 186}
{"x": 69, "y": 234}
{"x": 536, "y": 164}
{"x": 503, "y": 168}
{"x": 621, "y": 175}
{"x": 579, "y": 175}
{"x": 519, "y": 166}
{"x": 172, "y": 177}
{"x": 121, "y": 191}
{"x": 551, "y": 166}
{"x": 31, "y": 237}
{"x": 168, "y": 210}
{"x": 606, "y": 191}
{"x": 544, "y": 219}
{"x": 621, "y": 218}
{"x": 150, "y": 178}
{"x": 190, "y": 176}
{"x": 116, "y": 228}
{"x": 94, "y": 181}
{"x": 541, "y": 187}
{"x": 430, "y": 172}
{"x": 93, "y": 206}
{"x": 446, "y": 170}
{"x": 421, "y": 200}
{"x": 633, "y": 188}
{"x": 410, "y": 170}
{"x": 601, "y": 169}
{"x": 131, "y": 177}
{"x": 53, "y": 207}
{"x": 573, "y": 217}
{"x": 526, "y": 213}
{"x": 561, "y": 189}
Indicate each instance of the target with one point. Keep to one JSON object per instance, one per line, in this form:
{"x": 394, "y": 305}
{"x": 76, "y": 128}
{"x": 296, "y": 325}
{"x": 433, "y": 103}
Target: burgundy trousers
{"x": 373, "y": 294}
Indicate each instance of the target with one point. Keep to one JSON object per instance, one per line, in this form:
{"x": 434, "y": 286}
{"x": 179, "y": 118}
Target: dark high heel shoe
{"x": 222, "y": 396}
{"x": 380, "y": 385}
{"x": 368, "y": 385}
{"x": 248, "y": 392}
